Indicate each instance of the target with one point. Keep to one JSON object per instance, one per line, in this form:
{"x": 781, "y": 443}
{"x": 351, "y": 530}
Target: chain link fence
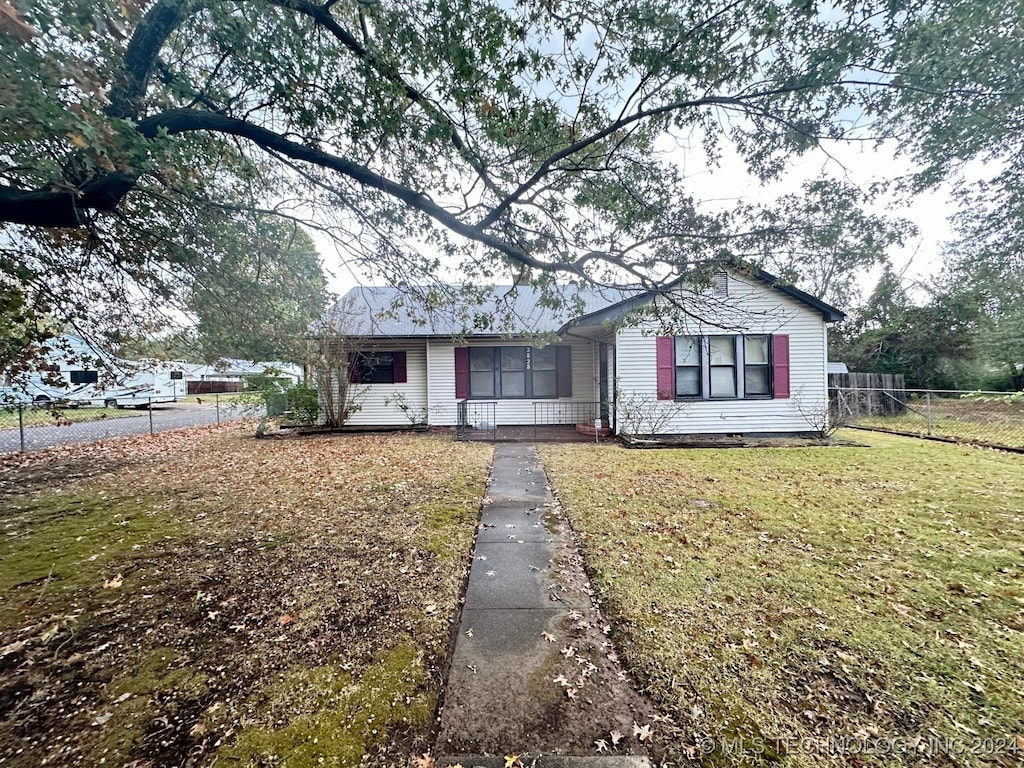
{"x": 26, "y": 427}
{"x": 981, "y": 418}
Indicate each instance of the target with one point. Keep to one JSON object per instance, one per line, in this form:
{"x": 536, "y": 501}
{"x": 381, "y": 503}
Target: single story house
{"x": 747, "y": 355}
{"x": 230, "y": 375}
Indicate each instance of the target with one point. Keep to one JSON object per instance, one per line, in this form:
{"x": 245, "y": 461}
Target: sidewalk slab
{"x": 519, "y": 487}
{"x": 533, "y": 670}
{"x": 514, "y": 522}
{"x": 502, "y": 636}
{"x": 516, "y": 576}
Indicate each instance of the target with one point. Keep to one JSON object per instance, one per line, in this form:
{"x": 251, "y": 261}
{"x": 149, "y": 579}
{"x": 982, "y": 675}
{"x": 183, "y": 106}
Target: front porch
{"x": 570, "y": 421}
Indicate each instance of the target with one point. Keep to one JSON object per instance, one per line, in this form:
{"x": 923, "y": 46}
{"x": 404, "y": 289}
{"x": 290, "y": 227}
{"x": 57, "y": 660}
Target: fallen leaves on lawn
{"x": 642, "y": 732}
{"x": 258, "y": 534}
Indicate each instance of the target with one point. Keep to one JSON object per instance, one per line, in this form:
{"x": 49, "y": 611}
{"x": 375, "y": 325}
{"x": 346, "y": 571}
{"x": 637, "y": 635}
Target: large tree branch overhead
{"x": 534, "y": 131}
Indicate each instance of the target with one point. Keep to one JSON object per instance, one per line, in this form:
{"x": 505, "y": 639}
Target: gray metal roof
{"x": 505, "y": 310}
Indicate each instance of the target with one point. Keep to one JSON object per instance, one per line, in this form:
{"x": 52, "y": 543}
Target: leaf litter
{"x": 200, "y": 596}
{"x": 862, "y": 593}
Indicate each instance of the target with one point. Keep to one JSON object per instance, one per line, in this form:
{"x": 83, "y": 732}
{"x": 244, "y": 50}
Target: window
{"x": 756, "y": 367}
{"x": 481, "y": 367}
{"x": 722, "y": 360}
{"x": 544, "y": 364}
{"x": 722, "y": 367}
{"x": 377, "y": 368}
{"x": 84, "y": 377}
{"x": 513, "y": 372}
{"x": 688, "y": 366}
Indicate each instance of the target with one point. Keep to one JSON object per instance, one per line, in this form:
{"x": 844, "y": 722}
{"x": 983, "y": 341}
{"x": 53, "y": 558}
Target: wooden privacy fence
{"x": 212, "y": 387}
{"x": 866, "y": 394}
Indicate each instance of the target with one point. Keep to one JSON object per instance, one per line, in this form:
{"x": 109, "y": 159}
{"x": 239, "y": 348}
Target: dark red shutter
{"x": 398, "y": 367}
{"x": 666, "y": 363}
{"x": 563, "y": 361}
{"x": 780, "y": 366}
{"x": 461, "y": 372}
{"x": 355, "y": 369}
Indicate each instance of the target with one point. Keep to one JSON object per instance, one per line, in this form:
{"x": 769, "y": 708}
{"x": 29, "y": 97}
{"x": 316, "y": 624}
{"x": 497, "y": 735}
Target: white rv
{"x": 78, "y": 374}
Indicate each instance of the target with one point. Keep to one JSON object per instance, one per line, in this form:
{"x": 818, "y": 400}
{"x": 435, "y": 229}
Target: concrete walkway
{"x": 534, "y": 672}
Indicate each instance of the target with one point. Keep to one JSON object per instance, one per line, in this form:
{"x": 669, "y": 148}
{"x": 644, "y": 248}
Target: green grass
{"x": 222, "y": 600}
{"x": 61, "y": 544}
{"x": 41, "y": 417}
{"x": 223, "y": 397}
{"x": 333, "y": 719}
{"x": 954, "y": 429}
{"x": 768, "y": 594}
{"x": 992, "y": 420}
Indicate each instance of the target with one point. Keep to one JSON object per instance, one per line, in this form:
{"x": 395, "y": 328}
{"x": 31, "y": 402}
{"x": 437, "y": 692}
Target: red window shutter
{"x": 563, "y": 361}
{"x": 666, "y": 363}
{"x": 462, "y": 372}
{"x": 780, "y": 366}
{"x": 398, "y": 367}
{"x": 355, "y": 370}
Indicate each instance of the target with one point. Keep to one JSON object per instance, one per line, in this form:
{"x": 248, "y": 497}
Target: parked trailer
{"x": 82, "y": 376}
{"x": 151, "y": 383}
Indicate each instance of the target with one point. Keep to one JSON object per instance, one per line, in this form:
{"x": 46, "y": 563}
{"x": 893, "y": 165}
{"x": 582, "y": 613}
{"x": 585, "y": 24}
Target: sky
{"x": 859, "y": 164}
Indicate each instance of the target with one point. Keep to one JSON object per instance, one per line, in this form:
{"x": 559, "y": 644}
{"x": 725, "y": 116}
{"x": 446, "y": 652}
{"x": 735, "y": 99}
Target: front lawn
{"x": 200, "y": 597}
{"x": 832, "y": 604}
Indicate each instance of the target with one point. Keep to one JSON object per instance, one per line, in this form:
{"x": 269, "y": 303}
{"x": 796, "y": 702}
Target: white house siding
{"x": 765, "y": 310}
{"x": 443, "y": 405}
{"x": 377, "y": 401}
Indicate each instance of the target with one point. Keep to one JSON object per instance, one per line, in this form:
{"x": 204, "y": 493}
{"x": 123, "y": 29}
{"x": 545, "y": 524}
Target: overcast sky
{"x": 860, "y": 164}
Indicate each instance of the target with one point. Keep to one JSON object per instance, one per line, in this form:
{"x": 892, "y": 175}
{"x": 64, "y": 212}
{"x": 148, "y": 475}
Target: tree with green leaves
{"x": 256, "y": 291}
{"x": 987, "y": 269}
{"x": 823, "y": 240}
{"x": 500, "y": 138}
{"x": 933, "y": 344}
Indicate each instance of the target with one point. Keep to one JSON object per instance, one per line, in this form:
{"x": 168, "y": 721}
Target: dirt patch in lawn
{"x": 203, "y": 597}
{"x": 822, "y": 607}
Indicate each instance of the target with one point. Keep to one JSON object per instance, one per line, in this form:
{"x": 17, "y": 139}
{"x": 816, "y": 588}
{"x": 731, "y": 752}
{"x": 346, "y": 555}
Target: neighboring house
{"x": 749, "y": 358}
{"x": 228, "y": 375}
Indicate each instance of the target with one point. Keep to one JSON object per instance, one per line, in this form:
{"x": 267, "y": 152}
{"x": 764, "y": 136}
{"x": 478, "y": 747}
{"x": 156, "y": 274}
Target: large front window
{"x": 511, "y": 372}
{"x": 481, "y": 371}
{"x": 723, "y": 367}
{"x": 756, "y": 367}
{"x": 722, "y": 358}
{"x": 688, "y": 366}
